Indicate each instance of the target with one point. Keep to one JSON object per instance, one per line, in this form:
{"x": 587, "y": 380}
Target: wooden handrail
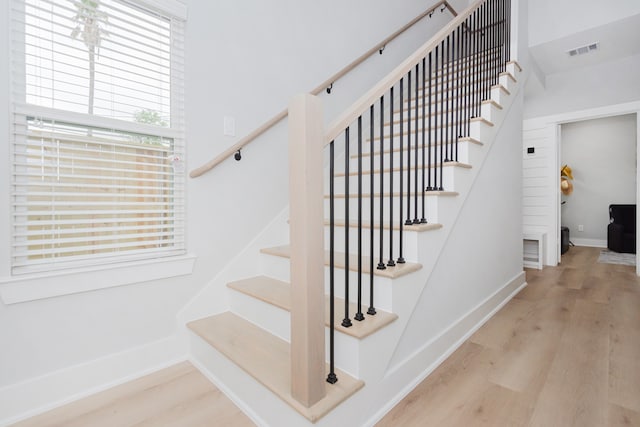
{"x": 324, "y": 85}
{"x": 368, "y": 99}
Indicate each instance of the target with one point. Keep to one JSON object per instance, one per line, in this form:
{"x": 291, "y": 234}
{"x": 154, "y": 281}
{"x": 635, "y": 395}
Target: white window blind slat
{"x": 98, "y": 136}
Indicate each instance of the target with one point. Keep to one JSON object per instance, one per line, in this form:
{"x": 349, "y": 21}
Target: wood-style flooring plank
{"x": 624, "y": 356}
{"x": 575, "y": 392}
{"x": 432, "y": 403}
{"x": 176, "y": 396}
{"x": 528, "y": 354}
{"x": 622, "y": 417}
{"x": 563, "y": 352}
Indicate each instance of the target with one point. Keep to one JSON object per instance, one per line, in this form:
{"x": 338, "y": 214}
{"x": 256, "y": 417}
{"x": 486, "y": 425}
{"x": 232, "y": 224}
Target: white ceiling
{"x": 616, "y": 39}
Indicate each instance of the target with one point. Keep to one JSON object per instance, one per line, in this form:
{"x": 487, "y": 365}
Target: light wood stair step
{"x": 267, "y": 359}
{"x": 396, "y": 134}
{"x": 387, "y": 170}
{"x": 516, "y": 64}
{"x": 278, "y": 293}
{"x": 398, "y": 270}
{"x": 386, "y": 195}
{"x": 433, "y": 114}
{"x": 397, "y": 149}
{"x": 494, "y": 87}
{"x": 365, "y": 224}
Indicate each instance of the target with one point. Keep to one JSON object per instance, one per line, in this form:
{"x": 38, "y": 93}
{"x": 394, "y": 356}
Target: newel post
{"x": 306, "y": 225}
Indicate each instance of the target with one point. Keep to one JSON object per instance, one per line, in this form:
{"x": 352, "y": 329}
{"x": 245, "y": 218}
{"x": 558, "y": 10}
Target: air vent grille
{"x": 583, "y": 49}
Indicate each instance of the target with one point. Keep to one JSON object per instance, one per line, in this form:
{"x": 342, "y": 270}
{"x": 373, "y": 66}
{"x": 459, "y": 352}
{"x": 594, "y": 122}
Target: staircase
{"x": 386, "y": 238}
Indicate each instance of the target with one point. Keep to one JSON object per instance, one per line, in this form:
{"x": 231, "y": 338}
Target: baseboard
{"x": 450, "y": 339}
{"x": 47, "y": 392}
{"x": 592, "y": 243}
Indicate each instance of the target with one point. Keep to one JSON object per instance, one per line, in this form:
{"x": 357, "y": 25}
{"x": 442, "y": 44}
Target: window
{"x": 98, "y": 133}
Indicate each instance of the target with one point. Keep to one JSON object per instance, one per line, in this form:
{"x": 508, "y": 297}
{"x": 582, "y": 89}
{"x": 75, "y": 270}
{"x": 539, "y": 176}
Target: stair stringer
{"x": 406, "y": 290}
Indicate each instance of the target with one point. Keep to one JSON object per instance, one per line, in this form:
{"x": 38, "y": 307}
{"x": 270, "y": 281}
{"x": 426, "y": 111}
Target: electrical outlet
{"x": 580, "y": 227}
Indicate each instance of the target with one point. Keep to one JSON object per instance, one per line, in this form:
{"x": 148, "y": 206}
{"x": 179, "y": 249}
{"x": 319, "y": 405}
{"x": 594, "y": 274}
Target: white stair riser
{"x": 408, "y": 151}
{"x": 431, "y": 208}
{"x": 409, "y": 242}
{"x": 463, "y": 149}
{"x": 449, "y": 174}
{"x": 459, "y": 103}
{"x": 278, "y": 268}
{"x": 278, "y": 322}
{"x": 451, "y": 129}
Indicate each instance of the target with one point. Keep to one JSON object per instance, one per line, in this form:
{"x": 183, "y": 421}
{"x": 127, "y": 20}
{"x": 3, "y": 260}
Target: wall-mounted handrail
{"x": 323, "y": 86}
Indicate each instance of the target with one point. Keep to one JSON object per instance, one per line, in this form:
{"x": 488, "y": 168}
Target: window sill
{"x": 33, "y": 287}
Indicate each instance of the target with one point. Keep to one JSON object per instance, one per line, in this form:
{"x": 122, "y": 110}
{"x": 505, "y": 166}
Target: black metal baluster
{"x": 434, "y": 131}
{"x": 401, "y": 214}
{"x": 445, "y": 106}
{"x": 508, "y": 30}
{"x": 459, "y": 72}
{"x": 371, "y": 310}
{"x": 423, "y": 187}
{"x": 429, "y": 163}
{"x": 441, "y": 115}
{"x": 359, "y": 316}
{"x": 346, "y": 322}
{"x": 416, "y": 148}
{"x": 482, "y": 60}
{"x": 476, "y": 63}
{"x": 391, "y": 262}
{"x": 381, "y": 264}
{"x": 408, "y": 221}
{"x": 486, "y": 39}
{"x": 497, "y": 41}
{"x": 503, "y": 23}
{"x": 450, "y": 79}
{"x": 468, "y": 82}
{"x": 331, "y": 378}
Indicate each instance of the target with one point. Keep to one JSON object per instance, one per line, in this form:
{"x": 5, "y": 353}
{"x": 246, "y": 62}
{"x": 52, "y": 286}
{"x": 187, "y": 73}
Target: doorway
{"x": 602, "y": 168}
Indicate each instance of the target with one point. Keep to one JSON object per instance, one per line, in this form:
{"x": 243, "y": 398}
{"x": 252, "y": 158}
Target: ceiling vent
{"x": 583, "y": 49}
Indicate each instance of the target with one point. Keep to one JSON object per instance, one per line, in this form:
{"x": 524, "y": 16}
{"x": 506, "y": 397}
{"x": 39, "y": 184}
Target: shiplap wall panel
{"x": 538, "y": 184}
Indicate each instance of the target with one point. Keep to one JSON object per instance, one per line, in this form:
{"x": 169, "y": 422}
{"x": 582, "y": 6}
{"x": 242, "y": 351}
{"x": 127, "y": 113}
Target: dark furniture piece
{"x": 564, "y": 240}
{"x": 621, "y": 232}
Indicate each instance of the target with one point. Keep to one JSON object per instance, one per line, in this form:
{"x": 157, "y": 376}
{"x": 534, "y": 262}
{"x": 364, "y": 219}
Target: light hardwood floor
{"x": 176, "y": 396}
{"x": 564, "y": 352}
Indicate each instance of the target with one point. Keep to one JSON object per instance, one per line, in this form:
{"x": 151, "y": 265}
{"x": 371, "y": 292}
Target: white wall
{"x": 610, "y": 83}
{"x": 244, "y": 59}
{"x": 551, "y": 20}
{"x": 486, "y": 240}
{"x": 602, "y": 154}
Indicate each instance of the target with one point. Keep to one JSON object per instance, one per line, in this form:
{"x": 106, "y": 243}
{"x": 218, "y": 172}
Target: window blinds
{"x": 98, "y": 134}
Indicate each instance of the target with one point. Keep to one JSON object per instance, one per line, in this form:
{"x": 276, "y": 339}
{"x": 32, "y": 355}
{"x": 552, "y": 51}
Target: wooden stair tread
{"x": 387, "y": 170}
{"x": 516, "y": 64}
{"x": 396, "y": 134}
{"x": 365, "y": 224}
{"x": 397, "y": 149}
{"x": 427, "y": 193}
{"x": 267, "y": 359}
{"x": 278, "y": 293}
{"x": 399, "y": 270}
{"x": 433, "y": 114}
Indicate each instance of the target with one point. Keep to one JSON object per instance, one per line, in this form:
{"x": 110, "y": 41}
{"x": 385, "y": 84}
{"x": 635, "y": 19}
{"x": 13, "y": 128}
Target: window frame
{"x": 28, "y": 286}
